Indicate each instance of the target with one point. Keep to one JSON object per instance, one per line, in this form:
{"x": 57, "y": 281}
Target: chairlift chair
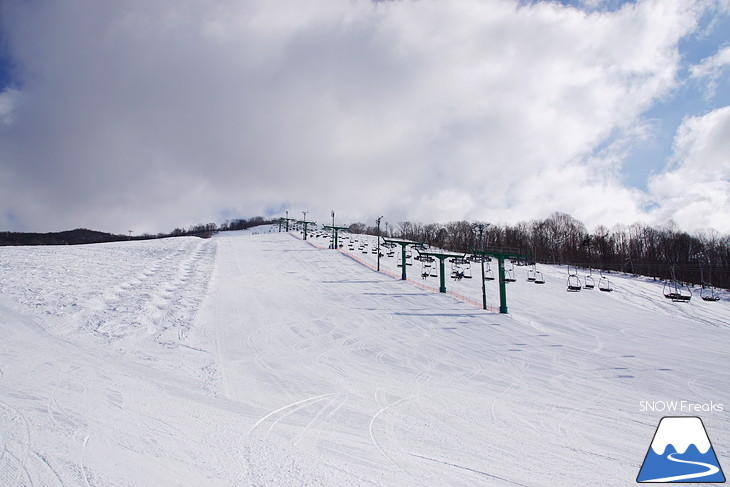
{"x": 466, "y": 267}
{"x": 509, "y": 274}
{"x": 604, "y": 284}
{"x": 711, "y": 296}
{"x": 707, "y": 293}
{"x": 488, "y": 274}
{"x": 457, "y": 268}
{"x": 588, "y": 281}
{"x": 531, "y": 274}
{"x": 673, "y": 291}
{"x": 539, "y": 278}
{"x": 574, "y": 284}
{"x": 427, "y": 266}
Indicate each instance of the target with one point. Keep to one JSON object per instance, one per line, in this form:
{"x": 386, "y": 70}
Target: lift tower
{"x": 304, "y": 222}
{"x": 501, "y": 255}
{"x": 441, "y": 257}
{"x": 403, "y": 244}
{"x": 336, "y": 232}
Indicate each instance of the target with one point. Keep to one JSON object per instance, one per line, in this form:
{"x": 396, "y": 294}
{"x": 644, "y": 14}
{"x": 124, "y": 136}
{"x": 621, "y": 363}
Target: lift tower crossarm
{"x": 305, "y": 223}
{"x": 403, "y": 244}
{"x": 336, "y": 230}
{"x": 441, "y": 256}
{"x": 501, "y": 255}
{"x": 286, "y": 220}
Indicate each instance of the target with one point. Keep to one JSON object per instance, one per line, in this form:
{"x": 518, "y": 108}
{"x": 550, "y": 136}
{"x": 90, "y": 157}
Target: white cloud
{"x": 711, "y": 69}
{"x": 9, "y": 101}
{"x": 694, "y": 190}
{"x": 148, "y": 115}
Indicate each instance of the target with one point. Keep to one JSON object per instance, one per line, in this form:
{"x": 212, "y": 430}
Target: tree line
{"x": 561, "y": 239}
{"x": 86, "y": 236}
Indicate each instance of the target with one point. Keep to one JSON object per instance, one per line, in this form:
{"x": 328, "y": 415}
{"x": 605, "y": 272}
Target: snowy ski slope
{"x": 262, "y": 359}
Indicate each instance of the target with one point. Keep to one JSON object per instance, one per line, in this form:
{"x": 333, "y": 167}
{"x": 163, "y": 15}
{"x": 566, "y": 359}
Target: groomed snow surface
{"x": 260, "y": 359}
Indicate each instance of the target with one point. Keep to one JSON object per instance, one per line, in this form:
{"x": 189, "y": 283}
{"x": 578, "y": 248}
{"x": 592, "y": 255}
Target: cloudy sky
{"x": 148, "y": 115}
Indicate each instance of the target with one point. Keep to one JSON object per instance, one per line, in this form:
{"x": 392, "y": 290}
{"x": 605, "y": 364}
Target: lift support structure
{"x": 305, "y": 223}
{"x": 441, "y": 257}
{"x": 403, "y": 244}
{"x": 336, "y": 231}
{"x": 285, "y": 221}
{"x": 501, "y": 255}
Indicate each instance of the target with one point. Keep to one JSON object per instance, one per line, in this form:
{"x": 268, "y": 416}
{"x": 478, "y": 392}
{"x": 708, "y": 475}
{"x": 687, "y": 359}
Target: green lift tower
{"x": 403, "y": 244}
{"x": 336, "y": 231}
{"x": 501, "y": 255}
{"x": 305, "y": 223}
{"x": 441, "y": 256}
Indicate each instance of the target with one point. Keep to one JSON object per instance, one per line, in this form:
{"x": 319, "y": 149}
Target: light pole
{"x": 480, "y": 227}
{"x": 377, "y": 220}
{"x": 333, "y": 227}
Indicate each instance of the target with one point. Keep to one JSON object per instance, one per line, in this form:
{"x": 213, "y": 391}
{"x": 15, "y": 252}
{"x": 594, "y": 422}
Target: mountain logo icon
{"x": 681, "y": 452}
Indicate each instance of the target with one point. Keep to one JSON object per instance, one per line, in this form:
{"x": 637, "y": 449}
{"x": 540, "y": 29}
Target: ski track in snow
{"x": 265, "y": 360}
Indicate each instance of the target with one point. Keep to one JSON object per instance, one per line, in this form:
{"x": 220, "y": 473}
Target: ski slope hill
{"x": 262, "y": 359}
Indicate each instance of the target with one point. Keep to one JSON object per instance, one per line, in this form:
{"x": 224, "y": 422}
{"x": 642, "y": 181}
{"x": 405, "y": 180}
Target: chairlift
{"x": 457, "y": 268}
{"x": 588, "y": 281}
{"x": 509, "y": 274}
{"x": 539, "y": 278}
{"x": 466, "y": 266}
{"x": 604, "y": 284}
{"x": 488, "y": 274}
{"x": 672, "y": 290}
{"x": 708, "y": 293}
{"x": 531, "y": 274}
{"x": 574, "y": 284}
{"x": 428, "y": 269}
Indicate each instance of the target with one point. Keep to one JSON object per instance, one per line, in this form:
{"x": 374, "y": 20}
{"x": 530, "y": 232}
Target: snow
{"x": 681, "y": 432}
{"x": 256, "y": 358}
